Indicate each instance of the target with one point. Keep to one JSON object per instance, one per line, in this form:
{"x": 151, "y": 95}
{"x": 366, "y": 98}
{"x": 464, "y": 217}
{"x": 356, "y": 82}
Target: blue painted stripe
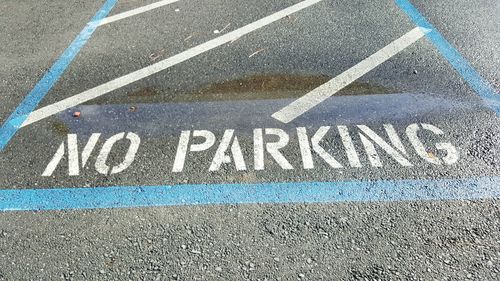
{"x": 461, "y": 65}
{"x": 30, "y": 102}
{"x": 205, "y": 194}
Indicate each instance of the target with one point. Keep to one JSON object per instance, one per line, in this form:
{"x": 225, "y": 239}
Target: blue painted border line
{"x": 461, "y": 65}
{"x": 215, "y": 194}
{"x": 30, "y": 102}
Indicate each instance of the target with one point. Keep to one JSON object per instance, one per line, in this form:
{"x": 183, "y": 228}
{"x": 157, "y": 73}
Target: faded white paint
{"x": 73, "y": 155}
{"x": 89, "y": 148}
{"x": 221, "y": 156}
{"x": 136, "y": 11}
{"x": 272, "y": 148}
{"x": 51, "y": 167}
{"x": 367, "y": 133}
{"x": 180, "y": 156}
{"x": 100, "y": 165}
{"x": 258, "y": 149}
{"x": 452, "y": 154}
{"x": 271, "y": 144}
{"x": 103, "y": 168}
{"x": 305, "y": 148}
{"x": 350, "y": 150}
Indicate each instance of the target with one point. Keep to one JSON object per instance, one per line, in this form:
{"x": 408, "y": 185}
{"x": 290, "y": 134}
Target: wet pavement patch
{"x": 251, "y": 87}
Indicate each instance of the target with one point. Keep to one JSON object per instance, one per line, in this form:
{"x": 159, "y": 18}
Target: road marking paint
{"x": 321, "y": 93}
{"x": 134, "y": 12}
{"x": 277, "y": 144}
{"x": 58, "y": 156}
{"x": 273, "y": 148}
{"x": 306, "y": 148}
{"x": 100, "y": 166}
{"x": 453, "y": 56}
{"x": 89, "y": 148}
{"x": 270, "y": 143}
{"x": 452, "y": 154}
{"x": 182, "y": 148}
{"x": 221, "y": 157}
{"x": 370, "y": 148}
{"x": 12, "y": 124}
{"x": 257, "y": 193}
{"x": 352, "y": 155}
{"x": 161, "y": 65}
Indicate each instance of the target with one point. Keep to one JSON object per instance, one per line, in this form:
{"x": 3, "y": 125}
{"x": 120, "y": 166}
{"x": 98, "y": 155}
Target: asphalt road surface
{"x": 249, "y": 140}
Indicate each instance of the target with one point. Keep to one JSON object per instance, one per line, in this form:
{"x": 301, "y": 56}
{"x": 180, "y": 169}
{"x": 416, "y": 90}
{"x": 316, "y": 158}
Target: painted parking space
{"x": 365, "y": 117}
{"x": 385, "y": 168}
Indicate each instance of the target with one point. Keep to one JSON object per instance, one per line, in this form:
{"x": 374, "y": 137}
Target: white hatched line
{"x": 119, "y": 82}
{"x": 321, "y": 93}
{"x": 134, "y": 12}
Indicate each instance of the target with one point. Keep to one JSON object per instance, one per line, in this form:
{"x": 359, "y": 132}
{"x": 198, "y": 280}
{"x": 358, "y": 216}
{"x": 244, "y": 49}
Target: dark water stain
{"x": 144, "y": 92}
{"x": 266, "y": 83}
{"x": 277, "y": 86}
{"x": 283, "y": 82}
{"x": 60, "y": 128}
{"x": 251, "y": 87}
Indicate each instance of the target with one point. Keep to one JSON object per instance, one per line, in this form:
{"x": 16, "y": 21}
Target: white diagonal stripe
{"x": 321, "y": 93}
{"x": 134, "y": 12}
{"x": 119, "y": 82}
